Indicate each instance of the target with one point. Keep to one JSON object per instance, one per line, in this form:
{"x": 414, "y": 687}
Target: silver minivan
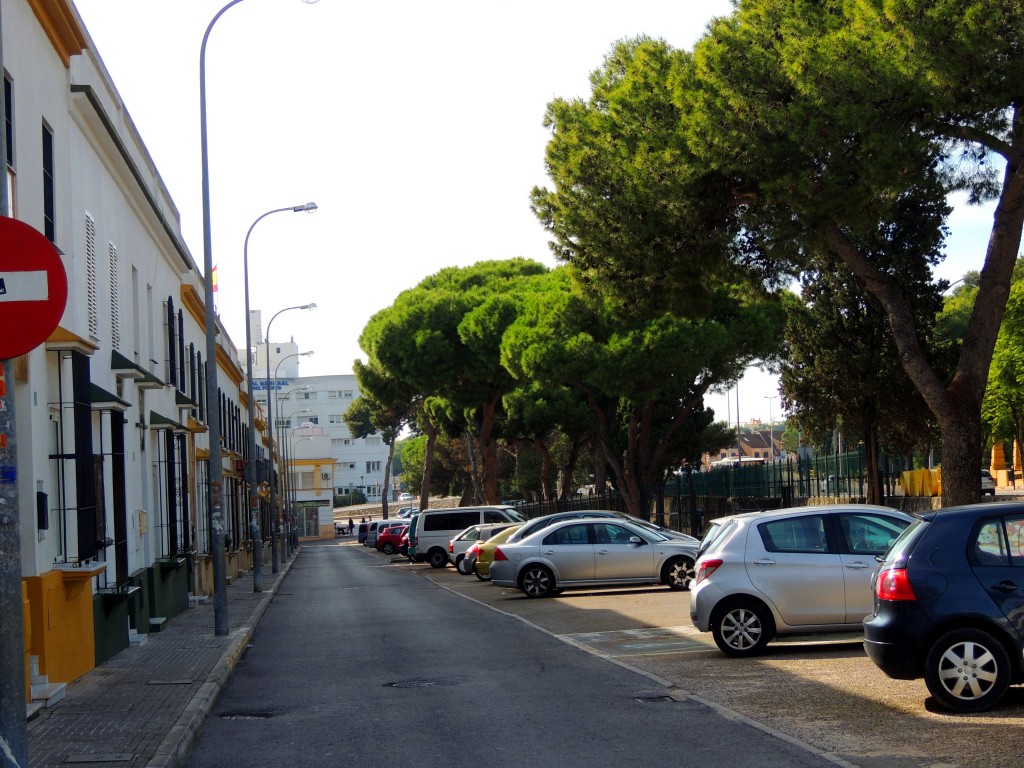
{"x": 805, "y": 570}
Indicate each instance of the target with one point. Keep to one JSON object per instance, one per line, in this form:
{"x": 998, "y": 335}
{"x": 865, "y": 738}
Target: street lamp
{"x": 254, "y": 511}
{"x": 270, "y": 421}
{"x": 215, "y": 512}
{"x": 286, "y": 476}
{"x": 280, "y": 430}
{"x": 771, "y": 426}
{"x": 293, "y": 500}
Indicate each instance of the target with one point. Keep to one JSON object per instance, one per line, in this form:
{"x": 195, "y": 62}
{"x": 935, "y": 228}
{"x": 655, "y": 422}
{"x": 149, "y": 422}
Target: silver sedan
{"x": 592, "y": 552}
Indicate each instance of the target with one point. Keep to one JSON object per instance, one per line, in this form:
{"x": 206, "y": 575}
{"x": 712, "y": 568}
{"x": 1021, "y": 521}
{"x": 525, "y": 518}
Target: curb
{"x": 181, "y": 735}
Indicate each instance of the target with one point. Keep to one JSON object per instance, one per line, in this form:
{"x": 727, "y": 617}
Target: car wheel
{"x": 536, "y": 581}
{"x": 743, "y": 629}
{"x": 458, "y": 561}
{"x": 461, "y": 566}
{"x": 388, "y": 549}
{"x": 967, "y": 670}
{"x": 476, "y": 572}
{"x": 678, "y": 573}
{"x": 437, "y": 558}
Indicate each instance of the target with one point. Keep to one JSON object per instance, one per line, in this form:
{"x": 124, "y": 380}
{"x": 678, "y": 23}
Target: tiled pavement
{"x": 144, "y": 706}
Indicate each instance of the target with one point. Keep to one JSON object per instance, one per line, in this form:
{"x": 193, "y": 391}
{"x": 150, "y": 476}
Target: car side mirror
{"x": 636, "y": 540}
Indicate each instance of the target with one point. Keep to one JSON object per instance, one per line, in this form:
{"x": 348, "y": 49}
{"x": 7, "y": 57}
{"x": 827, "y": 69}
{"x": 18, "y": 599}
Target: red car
{"x": 389, "y": 541}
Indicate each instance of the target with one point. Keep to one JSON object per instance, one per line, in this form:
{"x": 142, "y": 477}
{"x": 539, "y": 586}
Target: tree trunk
{"x": 961, "y": 453}
{"x": 489, "y": 453}
{"x": 428, "y": 463}
{"x": 546, "y": 470}
{"x": 570, "y": 469}
{"x": 875, "y": 494}
{"x": 387, "y": 479}
{"x": 474, "y": 477}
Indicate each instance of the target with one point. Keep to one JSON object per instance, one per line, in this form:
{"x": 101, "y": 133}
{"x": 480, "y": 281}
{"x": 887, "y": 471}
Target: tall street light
{"x": 280, "y": 430}
{"x": 215, "y": 512}
{"x": 293, "y": 501}
{"x": 270, "y": 421}
{"x": 250, "y": 467}
{"x": 285, "y": 475}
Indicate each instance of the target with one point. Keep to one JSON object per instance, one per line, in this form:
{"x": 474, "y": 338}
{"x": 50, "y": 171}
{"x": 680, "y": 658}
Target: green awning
{"x": 127, "y": 369}
{"x": 158, "y": 421}
{"x": 107, "y": 401}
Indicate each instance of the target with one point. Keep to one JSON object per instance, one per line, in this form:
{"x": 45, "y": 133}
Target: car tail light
{"x": 475, "y": 549}
{"x": 499, "y": 555}
{"x": 705, "y": 568}
{"x": 894, "y": 584}
{"x": 451, "y": 546}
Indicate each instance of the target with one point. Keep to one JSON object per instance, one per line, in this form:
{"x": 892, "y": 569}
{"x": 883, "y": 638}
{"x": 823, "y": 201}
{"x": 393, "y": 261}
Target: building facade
{"x": 321, "y": 402}
{"x": 111, "y": 415}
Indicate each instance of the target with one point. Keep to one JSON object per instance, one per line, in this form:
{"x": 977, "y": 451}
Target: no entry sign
{"x": 33, "y": 288}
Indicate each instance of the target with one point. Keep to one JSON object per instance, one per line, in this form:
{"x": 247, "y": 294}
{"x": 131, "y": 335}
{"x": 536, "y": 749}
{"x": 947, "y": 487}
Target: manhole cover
{"x": 422, "y": 684}
{"x": 247, "y": 716}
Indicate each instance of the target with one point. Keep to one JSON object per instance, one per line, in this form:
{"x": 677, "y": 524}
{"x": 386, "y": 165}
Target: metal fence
{"x": 688, "y": 501}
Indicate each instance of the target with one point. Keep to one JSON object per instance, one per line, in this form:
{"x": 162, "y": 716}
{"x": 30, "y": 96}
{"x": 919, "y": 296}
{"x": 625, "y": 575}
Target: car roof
{"x": 774, "y": 514}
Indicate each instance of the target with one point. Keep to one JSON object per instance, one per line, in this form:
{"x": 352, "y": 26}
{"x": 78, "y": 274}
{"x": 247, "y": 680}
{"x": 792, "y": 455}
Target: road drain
{"x": 247, "y": 716}
{"x": 652, "y": 699}
{"x": 422, "y": 683}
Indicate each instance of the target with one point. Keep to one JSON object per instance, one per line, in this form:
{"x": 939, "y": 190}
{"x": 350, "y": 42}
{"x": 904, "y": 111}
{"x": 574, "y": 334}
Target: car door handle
{"x": 764, "y": 561}
{"x": 549, "y": 553}
{"x": 1005, "y": 586}
{"x": 856, "y": 565}
{"x": 602, "y": 551}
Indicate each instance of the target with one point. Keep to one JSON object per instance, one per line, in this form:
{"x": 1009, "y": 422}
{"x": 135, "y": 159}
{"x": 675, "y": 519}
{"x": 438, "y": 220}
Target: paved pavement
{"x": 143, "y": 707}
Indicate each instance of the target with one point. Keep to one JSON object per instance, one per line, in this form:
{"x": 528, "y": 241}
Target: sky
{"x": 416, "y": 128}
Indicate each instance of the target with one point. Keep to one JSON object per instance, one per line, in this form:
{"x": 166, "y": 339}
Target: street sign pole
{"x": 13, "y": 730}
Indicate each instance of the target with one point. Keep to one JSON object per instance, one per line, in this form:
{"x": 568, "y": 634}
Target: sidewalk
{"x": 143, "y": 707}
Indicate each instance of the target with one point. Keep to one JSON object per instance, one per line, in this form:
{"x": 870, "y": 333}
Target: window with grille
{"x": 115, "y": 301}
{"x": 90, "y": 275}
{"x": 49, "y": 198}
{"x": 9, "y": 143}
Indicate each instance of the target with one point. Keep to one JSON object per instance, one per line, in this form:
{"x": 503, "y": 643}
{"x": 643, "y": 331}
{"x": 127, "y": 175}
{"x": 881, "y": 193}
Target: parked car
{"x": 592, "y": 552}
{"x": 805, "y": 570}
{"x": 948, "y": 604}
{"x": 374, "y": 528}
{"x": 432, "y": 529}
{"x": 390, "y": 540}
{"x": 458, "y": 546}
{"x": 988, "y": 485}
{"x": 481, "y": 554}
{"x": 536, "y": 523}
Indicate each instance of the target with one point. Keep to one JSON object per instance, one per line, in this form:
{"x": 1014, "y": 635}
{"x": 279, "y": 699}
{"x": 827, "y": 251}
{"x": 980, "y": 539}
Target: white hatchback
{"x": 805, "y": 570}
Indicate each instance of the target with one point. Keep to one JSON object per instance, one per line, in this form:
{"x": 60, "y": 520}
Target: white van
{"x": 436, "y": 527}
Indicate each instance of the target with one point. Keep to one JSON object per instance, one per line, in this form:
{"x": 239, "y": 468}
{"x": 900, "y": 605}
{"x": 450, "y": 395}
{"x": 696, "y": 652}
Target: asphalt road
{"x": 361, "y": 661}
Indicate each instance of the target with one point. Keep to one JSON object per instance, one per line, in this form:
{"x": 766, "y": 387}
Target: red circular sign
{"x": 33, "y": 288}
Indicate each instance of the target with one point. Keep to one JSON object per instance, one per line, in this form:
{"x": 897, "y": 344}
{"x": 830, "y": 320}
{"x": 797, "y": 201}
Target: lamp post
{"x": 771, "y": 426}
{"x": 215, "y": 512}
{"x": 286, "y": 475}
{"x": 270, "y": 421}
{"x": 294, "y": 500}
{"x": 250, "y": 467}
{"x": 280, "y": 430}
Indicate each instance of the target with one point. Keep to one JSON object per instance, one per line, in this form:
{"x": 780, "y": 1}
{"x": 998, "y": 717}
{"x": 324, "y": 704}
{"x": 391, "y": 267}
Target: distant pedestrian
{"x": 351, "y": 527}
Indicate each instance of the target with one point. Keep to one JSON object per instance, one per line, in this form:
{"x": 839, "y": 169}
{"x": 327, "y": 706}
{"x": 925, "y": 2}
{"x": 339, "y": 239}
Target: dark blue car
{"x": 949, "y": 605}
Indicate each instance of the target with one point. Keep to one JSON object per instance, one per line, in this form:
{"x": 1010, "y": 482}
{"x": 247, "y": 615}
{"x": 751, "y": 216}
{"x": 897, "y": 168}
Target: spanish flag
{"x": 213, "y": 278}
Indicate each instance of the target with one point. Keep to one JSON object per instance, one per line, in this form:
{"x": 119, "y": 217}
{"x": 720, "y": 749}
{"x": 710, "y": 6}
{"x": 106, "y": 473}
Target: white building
{"x": 110, "y": 415}
{"x": 321, "y": 401}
